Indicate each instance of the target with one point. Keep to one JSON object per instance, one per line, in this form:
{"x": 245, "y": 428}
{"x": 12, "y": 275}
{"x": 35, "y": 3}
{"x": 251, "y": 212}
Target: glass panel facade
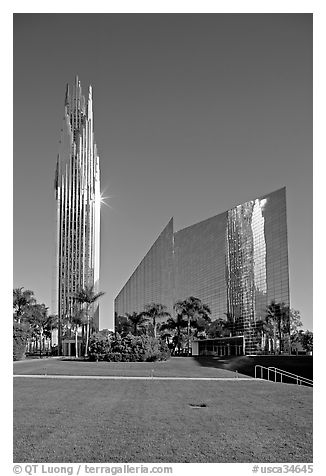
{"x": 152, "y": 280}
{"x": 199, "y": 264}
{"x": 77, "y": 191}
{"x": 235, "y": 262}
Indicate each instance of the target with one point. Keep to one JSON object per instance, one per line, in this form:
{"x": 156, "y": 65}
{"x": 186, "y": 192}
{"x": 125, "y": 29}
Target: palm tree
{"x": 155, "y": 312}
{"x": 121, "y": 325}
{"x": 277, "y": 315}
{"x": 192, "y": 309}
{"x": 21, "y": 301}
{"x": 77, "y": 319}
{"x": 265, "y": 329}
{"x": 175, "y": 324}
{"x": 136, "y": 319}
{"x": 218, "y": 328}
{"x": 86, "y": 297}
{"x": 40, "y": 322}
{"x": 53, "y": 323}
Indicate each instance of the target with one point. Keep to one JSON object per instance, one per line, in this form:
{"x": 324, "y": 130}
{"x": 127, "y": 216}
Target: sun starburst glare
{"x": 103, "y": 200}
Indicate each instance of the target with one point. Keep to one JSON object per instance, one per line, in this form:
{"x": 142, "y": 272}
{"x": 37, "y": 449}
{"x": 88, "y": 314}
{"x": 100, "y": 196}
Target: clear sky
{"x": 194, "y": 113}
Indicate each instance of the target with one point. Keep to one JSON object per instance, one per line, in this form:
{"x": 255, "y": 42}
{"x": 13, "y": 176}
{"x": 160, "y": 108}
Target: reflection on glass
{"x": 235, "y": 262}
{"x": 246, "y": 269}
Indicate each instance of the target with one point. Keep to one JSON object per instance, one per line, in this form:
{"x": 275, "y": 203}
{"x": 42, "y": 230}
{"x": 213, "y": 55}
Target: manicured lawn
{"x": 152, "y": 421}
{"x": 174, "y": 367}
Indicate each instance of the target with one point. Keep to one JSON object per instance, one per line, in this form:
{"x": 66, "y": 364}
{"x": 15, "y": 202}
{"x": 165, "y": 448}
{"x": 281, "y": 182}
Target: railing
{"x": 282, "y": 373}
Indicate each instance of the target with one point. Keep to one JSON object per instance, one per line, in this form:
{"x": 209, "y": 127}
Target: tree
{"x": 76, "y": 320}
{"x": 121, "y": 325}
{"x": 266, "y": 330}
{"x": 136, "y": 320}
{"x": 87, "y": 297}
{"x": 200, "y": 327}
{"x": 53, "y": 322}
{"x": 21, "y": 301}
{"x": 176, "y": 325}
{"x": 40, "y": 322}
{"x": 306, "y": 340}
{"x": 155, "y": 312}
{"x": 277, "y": 315}
{"x": 192, "y": 309}
{"x": 295, "y": 321}
{"x": 218, "y": 328}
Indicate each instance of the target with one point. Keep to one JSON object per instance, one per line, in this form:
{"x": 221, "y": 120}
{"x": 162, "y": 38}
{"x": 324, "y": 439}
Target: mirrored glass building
{"x": 236, "y": 262}
{"x": 77, "y": 192}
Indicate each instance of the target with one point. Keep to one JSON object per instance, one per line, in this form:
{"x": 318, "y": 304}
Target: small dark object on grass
{"x": 197, "y": 405}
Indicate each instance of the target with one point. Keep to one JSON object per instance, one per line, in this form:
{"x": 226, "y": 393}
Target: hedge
{"x": 130, "y": 348}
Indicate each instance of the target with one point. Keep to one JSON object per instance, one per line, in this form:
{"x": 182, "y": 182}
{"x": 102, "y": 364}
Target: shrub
{"x": 20, "y": 335}
{"x": 149, "y": 349}
{"x": 156, "y": 349}
{"x": 113, "y": 357}
{"x": 129, "y": 348}
{"x": 99, "y": 346}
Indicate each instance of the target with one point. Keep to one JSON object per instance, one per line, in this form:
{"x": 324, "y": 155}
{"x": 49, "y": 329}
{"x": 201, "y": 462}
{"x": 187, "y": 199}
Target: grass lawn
{"x": 174, "y": 367}
{"x": 152, "y": 421}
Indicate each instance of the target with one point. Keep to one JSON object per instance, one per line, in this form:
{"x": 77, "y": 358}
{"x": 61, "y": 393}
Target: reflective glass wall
{"x": 152, "y": 280}
{"x": 235, "y": 262}
{"x": 199, "y": 264}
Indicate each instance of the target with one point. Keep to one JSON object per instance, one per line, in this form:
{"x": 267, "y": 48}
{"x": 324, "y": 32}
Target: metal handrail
{"x": 276, "y": 371}
{"x": 291, "y": 375}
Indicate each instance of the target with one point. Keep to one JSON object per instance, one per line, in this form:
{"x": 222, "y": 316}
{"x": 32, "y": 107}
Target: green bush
{"x": 127, "y": 349}
{"x": 20, "y": 335}
{"x": 156, "y": 349}
{"x": 113, "y": 357}
{"x": 99, "y": 346}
